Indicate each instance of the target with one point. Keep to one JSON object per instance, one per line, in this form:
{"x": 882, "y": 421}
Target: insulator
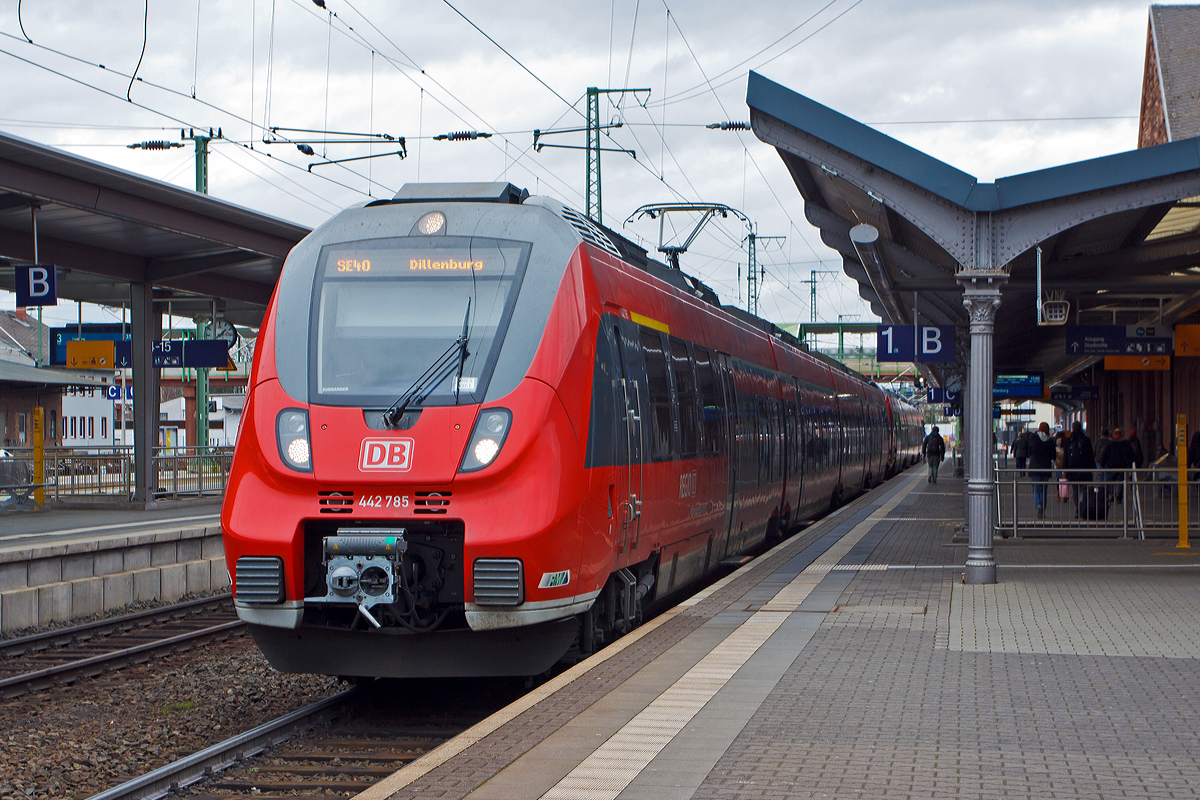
{"x": 730, "y": 126}
{"x": 157, "y": 145}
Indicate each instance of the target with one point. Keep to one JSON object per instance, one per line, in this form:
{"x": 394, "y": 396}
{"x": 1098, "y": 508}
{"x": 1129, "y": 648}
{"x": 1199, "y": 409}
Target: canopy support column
{"x": 146, "y": 328}
{"x": 981, "y": 297}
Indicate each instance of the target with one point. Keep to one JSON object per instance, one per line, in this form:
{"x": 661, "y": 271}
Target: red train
{"x": 482, "y": 432}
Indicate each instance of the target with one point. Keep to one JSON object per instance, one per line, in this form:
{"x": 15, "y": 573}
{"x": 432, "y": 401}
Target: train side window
{"x": 658, "y": 395}
{"x": 713, "y": 408}
{"x": 685, "y": 395}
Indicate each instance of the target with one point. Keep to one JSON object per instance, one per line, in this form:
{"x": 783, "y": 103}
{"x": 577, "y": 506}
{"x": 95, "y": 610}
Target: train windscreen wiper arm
{"x": 453, "y": 357}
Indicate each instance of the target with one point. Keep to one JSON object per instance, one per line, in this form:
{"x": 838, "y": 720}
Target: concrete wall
{"x": 62, "y": 582}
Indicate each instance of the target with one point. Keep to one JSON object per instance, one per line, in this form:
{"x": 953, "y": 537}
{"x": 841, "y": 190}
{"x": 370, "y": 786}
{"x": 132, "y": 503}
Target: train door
{"x": 630, "y": 404}
{"x": 732, "y": 417}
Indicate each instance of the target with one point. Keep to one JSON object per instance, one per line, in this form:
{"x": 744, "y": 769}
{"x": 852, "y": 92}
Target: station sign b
{"x": 37, "y": 285}
{"x": 928, "y": 344}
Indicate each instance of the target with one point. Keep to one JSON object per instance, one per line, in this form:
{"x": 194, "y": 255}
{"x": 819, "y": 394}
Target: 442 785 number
{"x": 383, "y": 501}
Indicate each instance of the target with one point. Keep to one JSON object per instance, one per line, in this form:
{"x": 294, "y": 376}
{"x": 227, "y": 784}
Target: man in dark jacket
{"x": 934, "y": 450}
{"x": 1020, "y": 450}
{"x": 1118, "y": 456}
{"x": 1139, "y": 455}
{"x": 1080, "y": 460}
{"x": 1041, "y": 459}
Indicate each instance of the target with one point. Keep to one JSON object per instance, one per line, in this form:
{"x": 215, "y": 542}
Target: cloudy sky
{"x": 994, "y": 87}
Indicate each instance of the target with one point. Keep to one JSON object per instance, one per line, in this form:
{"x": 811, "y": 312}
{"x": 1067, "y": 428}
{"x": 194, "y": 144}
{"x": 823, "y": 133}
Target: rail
{"x": 1122, "y": 503}
{"x": 72, "y": 472}
{"x": 47, "y": 659}
{"x": 190, "y": 769}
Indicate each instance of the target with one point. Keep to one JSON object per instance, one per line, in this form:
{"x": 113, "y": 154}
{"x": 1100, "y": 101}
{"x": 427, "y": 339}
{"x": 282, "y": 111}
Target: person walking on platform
{"x": 1020, "y": 450}
{"x": 1080, "y": 461}
{"x": 1118, "y": 457}
{"x": 1139, "y": 455}
{"x": 934, "y": 450}
{"x": 1041, "y": 460}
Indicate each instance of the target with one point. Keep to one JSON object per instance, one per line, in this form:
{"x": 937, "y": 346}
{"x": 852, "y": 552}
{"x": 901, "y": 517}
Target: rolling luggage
{"x": 1093, "y": 505}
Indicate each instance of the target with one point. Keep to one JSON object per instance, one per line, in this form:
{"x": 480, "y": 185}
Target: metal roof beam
{"x": 225, "y": 289}
{"x": 165, "y": 268}
{"x": 18, "y": 245}
{"x": 48, "y": 186}
{"x": 74, "y": 257}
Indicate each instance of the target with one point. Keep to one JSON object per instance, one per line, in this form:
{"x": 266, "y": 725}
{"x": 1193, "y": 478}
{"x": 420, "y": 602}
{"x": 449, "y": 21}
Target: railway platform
{"x": 68, "y": 564}
{"x": 852, "y": 661}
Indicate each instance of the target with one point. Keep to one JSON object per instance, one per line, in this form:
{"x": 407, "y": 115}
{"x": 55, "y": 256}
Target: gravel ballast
{"x": 73, "y": 741}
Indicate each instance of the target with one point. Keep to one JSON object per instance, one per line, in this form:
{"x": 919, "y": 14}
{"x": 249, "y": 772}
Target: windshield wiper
{"x": 454, "y": 357}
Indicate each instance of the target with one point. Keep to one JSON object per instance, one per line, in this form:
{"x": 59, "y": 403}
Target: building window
{"x": 72, "y": 436}
{"x": 104, "y": 427}
{"x": 91, "y": 427}
{"x": 20, "y": 429}
{"x": 52, "y": 425}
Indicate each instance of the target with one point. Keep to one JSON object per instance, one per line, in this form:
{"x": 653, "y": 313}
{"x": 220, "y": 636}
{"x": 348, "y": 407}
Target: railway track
{"x": 48, "y": 659}
{"x": 336, "y": 747}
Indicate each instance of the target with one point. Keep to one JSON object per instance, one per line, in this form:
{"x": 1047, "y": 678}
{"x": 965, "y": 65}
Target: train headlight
{"x": 432, "y": 224}
{"x": 491, "y": 429}
{"x": 291, "y": 431}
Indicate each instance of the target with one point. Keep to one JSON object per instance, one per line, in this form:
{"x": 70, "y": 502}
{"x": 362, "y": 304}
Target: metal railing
{"x": 1120, "y": 502}
{"x": 108, "y": 471}
{"x": 192, "y": 471}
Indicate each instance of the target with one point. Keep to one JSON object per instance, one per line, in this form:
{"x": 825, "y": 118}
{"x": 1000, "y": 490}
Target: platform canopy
{"x": 1119, "y": 235}
{"x": 105, "y": 229}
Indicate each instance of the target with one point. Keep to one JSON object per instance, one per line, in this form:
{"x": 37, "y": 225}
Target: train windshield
{"x": 384, "y": 311}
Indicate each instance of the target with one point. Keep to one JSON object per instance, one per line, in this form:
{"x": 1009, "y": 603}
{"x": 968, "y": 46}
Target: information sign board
{"x": 1118, "y": 340}
{"x": 1187, "y": 340}
{"x": 205, "y": 353}
{"x": 1075, "y": 393}
{"x": 1025, "y": 384}
{"x": 87, "y": 332}
{"x": 90, "y": 355}
{"x": 1095, "y": 340}
{"x": 1137, "y": 363}
{"x": 167, "y": 354}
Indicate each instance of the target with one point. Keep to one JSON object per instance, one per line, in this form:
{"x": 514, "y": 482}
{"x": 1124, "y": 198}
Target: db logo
{"x": 389, "y": 454}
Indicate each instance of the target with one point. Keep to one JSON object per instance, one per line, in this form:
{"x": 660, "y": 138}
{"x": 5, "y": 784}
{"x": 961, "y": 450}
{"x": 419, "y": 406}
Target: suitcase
{"x": 1093, "y": 505}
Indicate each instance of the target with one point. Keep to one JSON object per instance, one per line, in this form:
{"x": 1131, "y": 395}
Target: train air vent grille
{"x": 431, "y": 502}
{"x": 336, "y": 502}
{"x": 498, "y": 582}
{"x": 589, "y": 231}
{"x": 259, "y": 579}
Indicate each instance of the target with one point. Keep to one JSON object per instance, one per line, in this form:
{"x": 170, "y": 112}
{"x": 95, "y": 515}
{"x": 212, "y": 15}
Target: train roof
{"x": 610, "y": 240}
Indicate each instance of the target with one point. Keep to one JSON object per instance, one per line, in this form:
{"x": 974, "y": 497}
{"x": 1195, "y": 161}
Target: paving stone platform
{"x": 851, "y": 661}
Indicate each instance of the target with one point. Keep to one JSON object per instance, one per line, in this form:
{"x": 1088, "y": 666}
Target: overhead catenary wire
{"x": 196, "y": 57}
{"x": 145, "y": 37}
{"x": 688, "y": 94}
{"x": 515, "y": 60}
{"x": 21, "y": 24}
{"x": 179, "y": 120}
{"x": 522, "y": 156}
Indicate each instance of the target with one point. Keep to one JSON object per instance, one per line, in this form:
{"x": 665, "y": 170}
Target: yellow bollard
{"x": 1181, "y": 457}
{"x": 39, "y": 454}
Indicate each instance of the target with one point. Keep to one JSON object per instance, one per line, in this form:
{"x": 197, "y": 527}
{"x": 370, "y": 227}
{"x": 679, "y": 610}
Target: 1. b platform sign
{"x": 931, "y": 344}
